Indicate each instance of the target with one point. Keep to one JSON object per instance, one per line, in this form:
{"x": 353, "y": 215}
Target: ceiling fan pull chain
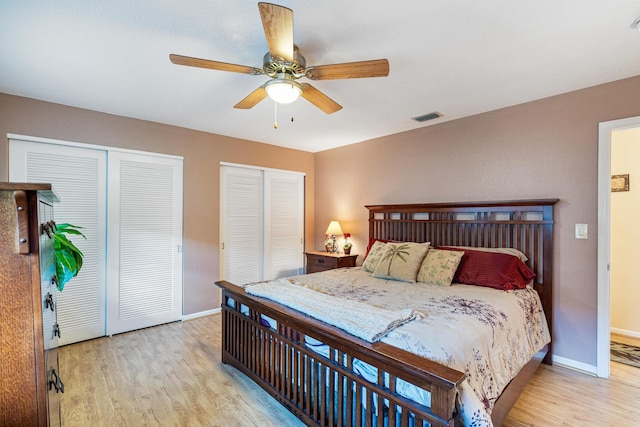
{"x": 275, "y": 115}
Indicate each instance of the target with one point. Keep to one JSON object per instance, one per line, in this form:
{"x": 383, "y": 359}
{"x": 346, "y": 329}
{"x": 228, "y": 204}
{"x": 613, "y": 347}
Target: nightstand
{"x": 322, "y": 261}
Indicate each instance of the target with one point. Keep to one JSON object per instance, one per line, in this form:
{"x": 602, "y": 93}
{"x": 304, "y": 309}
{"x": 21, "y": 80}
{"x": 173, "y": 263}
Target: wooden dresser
{"x": 29, "y": 375}
{"x": 322, "y": 261}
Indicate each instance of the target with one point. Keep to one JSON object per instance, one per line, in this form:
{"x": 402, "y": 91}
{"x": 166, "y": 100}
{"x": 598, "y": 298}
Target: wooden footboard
{"x": 328, "y": 391}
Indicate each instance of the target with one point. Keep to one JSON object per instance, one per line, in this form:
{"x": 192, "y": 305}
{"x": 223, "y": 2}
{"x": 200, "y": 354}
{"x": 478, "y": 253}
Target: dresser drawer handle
{"x": 46, "y": 229}
{"x": 55, "y": 382}
{"x": 22, "y": 208}
{"x": 48, "y": 301}
{"x": 320, "y": 261}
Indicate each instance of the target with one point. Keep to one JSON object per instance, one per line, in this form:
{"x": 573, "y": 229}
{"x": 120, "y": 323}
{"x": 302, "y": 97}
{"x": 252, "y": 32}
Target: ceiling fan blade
{"x": 278, "y": 29}
{"x": 212, "y": 65}
{"x": 252, "y": 99}
{"x": 350, "y": 70}
{"x": 319, "y": 99}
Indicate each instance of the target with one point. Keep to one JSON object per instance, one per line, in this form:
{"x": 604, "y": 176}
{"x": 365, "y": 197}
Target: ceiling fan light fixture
{"x": 284, "y": 64}
{"x": 283, "y": 90}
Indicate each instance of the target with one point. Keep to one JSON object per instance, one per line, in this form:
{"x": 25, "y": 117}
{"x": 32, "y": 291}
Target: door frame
{"x": 603, "y": 357}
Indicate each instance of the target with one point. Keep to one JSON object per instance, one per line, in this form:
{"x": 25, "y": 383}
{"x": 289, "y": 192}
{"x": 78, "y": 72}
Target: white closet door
{"x": 284, "y": 219}
{"x": 144, "y": 282}
{"x": 241, "y": 225}
{"x": 261, "y": 224}
{"x": 78, "y": 176}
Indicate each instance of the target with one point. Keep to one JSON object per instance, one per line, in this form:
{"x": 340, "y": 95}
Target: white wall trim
{"x": 604, "y": 240}
{"x": 200, "y": 314}
{"x": 89, "y": 146}
{"x": 626, "y": 332}
{"x": 574, "y": 365}
{"x": 239, "y": 165}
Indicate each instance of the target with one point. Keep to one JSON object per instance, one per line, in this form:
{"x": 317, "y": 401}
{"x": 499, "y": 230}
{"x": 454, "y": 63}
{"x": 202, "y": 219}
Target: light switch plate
{"x": 582, "y": 231}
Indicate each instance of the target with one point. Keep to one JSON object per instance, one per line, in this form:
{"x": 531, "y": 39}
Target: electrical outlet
{"x": 582, "y": 231}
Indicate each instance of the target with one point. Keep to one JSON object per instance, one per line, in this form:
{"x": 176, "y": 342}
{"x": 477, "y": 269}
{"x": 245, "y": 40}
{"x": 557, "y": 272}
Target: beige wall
{"x": 625, "y": 233}
{"x": 202, "y": 153}
{"x": 542, "y": 149}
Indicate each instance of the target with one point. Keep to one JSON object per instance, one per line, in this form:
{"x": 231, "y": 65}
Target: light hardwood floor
{"x": 171, "y": 375}
{"x": 623, "y": 339}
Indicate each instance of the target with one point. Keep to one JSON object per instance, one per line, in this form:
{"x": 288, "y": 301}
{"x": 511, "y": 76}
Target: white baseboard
{"x": 200, "y": 314}
{"x": 625, "y": 332}
{"x": 575, "y": 365}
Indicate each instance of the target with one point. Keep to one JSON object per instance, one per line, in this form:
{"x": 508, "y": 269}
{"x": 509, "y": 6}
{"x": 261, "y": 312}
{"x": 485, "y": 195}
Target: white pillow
{"x": 439, "y": 267}
{"x": 374, "y": 256}
{"x": 400, "y": 261}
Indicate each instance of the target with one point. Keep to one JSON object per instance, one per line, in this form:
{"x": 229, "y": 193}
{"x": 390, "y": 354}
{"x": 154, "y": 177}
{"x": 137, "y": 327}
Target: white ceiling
{"x": 457, "y": 57}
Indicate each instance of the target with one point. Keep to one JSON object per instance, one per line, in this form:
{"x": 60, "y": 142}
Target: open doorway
{"x": 625, "y": 234}
{"x": 607, "y": 134}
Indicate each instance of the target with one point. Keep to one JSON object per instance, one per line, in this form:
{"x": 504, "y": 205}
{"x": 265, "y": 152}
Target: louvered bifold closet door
{"x": 78, "y": 176}
{"x": 284, "y": 220}
{"x": 144, "y": 284}
{"x": 241, "y": 225}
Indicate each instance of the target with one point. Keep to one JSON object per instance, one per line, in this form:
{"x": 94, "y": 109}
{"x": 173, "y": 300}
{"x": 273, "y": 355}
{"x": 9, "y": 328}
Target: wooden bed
{"x": 327, "y": 391}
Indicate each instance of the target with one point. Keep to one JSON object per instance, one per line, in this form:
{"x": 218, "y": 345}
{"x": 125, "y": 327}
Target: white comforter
{"x": 363, "y": 320}
{"x": 486, "y": 333}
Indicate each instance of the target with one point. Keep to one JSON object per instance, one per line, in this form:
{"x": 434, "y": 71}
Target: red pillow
{"x": 494, "y": 270}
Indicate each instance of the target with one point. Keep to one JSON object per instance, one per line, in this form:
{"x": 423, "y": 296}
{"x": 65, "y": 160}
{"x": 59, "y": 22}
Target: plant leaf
{"x": 70, "y": 229}
{"x": 63, "y": 242}
{"x": 68, "y": 256}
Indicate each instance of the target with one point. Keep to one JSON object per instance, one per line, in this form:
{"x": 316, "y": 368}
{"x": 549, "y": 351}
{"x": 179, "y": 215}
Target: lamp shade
{"x": 334, "y": 229}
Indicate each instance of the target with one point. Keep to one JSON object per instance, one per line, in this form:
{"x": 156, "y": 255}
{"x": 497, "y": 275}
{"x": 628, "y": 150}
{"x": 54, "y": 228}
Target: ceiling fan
{"x": 285, "y": 65}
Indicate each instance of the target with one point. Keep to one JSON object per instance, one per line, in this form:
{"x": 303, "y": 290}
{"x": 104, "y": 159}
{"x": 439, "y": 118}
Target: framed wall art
{"x": 620, "y": 182}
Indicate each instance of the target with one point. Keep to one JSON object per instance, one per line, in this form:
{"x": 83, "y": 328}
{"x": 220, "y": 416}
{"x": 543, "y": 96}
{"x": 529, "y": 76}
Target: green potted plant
{"x": 68, "y": 256}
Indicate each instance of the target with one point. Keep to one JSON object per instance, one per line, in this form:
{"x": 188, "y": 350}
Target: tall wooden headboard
{"x": 526, "y": 225}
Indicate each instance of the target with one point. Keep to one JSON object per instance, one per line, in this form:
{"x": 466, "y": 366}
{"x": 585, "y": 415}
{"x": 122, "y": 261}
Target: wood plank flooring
{"x": 171, "y": 375}
{"x": 624, "y": 339}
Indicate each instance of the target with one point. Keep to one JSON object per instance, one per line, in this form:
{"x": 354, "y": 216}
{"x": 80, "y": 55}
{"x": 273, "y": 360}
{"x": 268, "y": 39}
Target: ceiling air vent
{"x": 426, "y": 117}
